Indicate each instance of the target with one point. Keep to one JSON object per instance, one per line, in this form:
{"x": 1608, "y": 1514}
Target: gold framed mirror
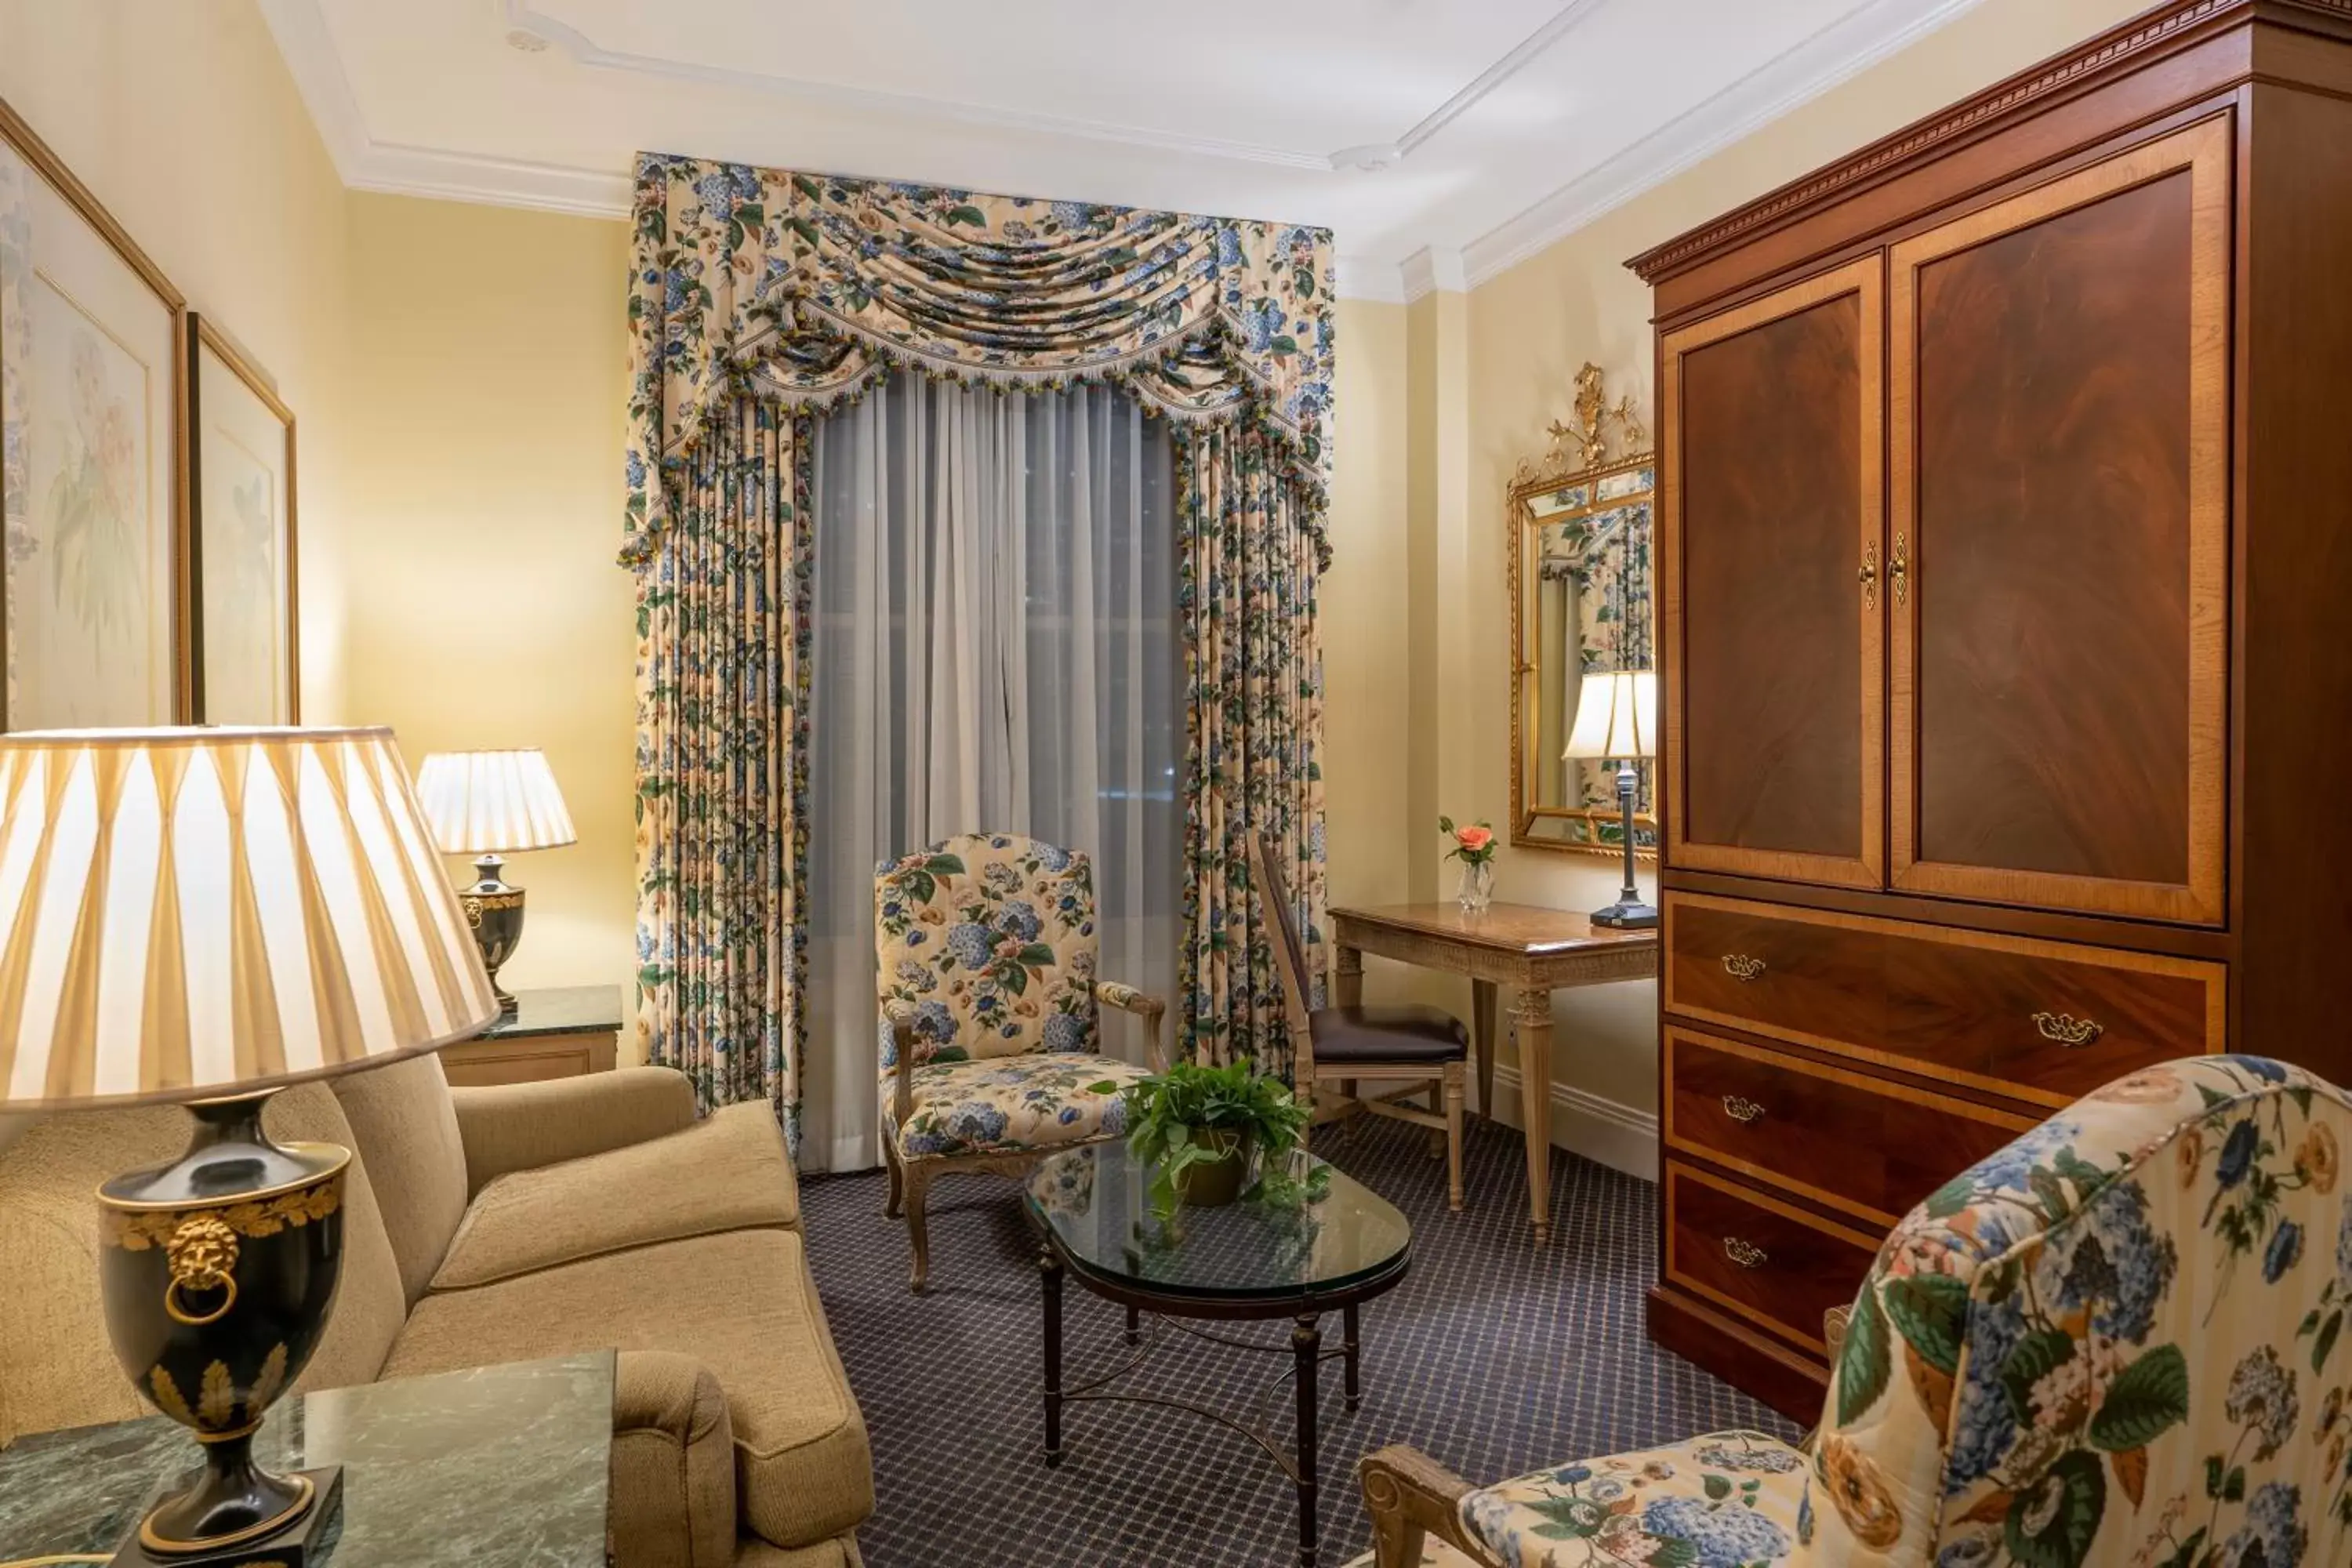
{"x": 1580, "y": 520}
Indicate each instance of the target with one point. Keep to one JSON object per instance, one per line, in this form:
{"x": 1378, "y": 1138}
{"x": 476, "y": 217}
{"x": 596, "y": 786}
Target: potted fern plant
{"x": 1199, "y": 1128}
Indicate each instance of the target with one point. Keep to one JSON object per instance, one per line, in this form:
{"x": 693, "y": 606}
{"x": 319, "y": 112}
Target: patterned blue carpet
{"x": 1492, "y": 1357}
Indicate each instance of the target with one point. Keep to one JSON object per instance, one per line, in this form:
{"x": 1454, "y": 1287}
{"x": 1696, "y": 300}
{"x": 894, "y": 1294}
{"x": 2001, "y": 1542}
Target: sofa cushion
{"x": 841, "y": 1552}
{"x": 672, "y": 1464}
{"x": 1011, "y": 1104}
{"x": 57, "y": 1365}
{"x": 406, "y": 1131}
{"x": 1729, "y": 1497}
{"x": 741, "y": 1303}
{"x": 729, "y": 1172}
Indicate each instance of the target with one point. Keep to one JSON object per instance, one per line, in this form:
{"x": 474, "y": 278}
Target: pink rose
{"x": 1473, "y": 838}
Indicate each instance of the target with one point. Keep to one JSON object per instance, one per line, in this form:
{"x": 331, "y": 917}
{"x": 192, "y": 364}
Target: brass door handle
{"x": 1898, "y": 571}
{"x": 2067, "y": 1029}
{"x": 1868, "y": 576}
{"x": 1746, "y": 1254}
{"x": 1741, "y": 1109}
{"x": 1739, "y": 966}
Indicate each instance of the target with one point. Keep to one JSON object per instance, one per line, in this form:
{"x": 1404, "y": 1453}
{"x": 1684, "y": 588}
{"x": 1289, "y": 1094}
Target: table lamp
{"x": 205, "y": 916}
{"x": 1617, "y": 720}
{"x": 490, "y": 805}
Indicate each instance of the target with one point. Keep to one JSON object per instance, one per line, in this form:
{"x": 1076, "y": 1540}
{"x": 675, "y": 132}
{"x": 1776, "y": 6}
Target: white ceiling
{"x": 1442, "y": 139}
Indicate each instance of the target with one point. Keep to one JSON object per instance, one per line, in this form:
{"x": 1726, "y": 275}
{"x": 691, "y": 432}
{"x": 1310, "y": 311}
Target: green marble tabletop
{"x": 497, "y": 1466}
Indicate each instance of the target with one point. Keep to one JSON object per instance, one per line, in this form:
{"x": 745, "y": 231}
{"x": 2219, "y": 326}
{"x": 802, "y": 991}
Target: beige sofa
{"x": 490, "y": 1225}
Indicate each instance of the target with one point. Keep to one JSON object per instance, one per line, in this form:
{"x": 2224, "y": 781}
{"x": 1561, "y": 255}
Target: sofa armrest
{"x": 521, "y": 1126}
{"x": 673, "y": 1501}
{"x": 1411, "y": 1496}
{"x": 1144, "y": 1005}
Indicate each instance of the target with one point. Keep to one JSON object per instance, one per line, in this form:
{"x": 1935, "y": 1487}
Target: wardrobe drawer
{"x": 2044, "y": 1021}
{"x": 2047, "y": 1021}
{"x": 1766, "y": 1260}
{"x": 1865, "y": 1145}
{"x": 1770, "y": 969}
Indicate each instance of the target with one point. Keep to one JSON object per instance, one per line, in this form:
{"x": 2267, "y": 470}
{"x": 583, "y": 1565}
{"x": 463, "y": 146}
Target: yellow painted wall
{"x": 486, "y": 608}
{"x": 1530, "y": 328}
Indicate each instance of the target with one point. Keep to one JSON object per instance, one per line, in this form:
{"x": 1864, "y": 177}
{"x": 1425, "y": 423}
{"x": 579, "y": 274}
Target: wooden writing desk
{"x": 1536, "y": 950}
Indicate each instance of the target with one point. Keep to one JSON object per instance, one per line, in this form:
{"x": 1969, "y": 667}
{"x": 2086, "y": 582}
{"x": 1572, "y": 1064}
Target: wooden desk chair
{"x": 1413, "y": 1047}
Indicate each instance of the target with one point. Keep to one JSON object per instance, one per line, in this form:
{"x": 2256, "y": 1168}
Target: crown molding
{"x": 1836, "y": 54}
{"x": 1361, "y": 278}
{"x": 1431, "y": 269}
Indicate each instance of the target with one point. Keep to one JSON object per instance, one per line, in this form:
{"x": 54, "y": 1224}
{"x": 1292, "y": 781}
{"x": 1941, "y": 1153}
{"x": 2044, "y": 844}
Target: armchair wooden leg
{"x": 918, "y": 1235}
{"x": 893, "y": 1206}
{"x": 1411, "y": 1498}
{"x": 1454, "y": 1136}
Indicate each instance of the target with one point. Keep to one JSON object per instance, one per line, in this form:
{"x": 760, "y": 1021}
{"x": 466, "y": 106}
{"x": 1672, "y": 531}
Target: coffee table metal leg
{"x": 1354, "y": 1363}
{"x": 1050, "y": 1267}
{"x": 1306, "y": 1345}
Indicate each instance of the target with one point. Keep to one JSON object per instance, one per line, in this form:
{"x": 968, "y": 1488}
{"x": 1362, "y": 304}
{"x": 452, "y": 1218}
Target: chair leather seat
{"x": 1408, "y": 1032}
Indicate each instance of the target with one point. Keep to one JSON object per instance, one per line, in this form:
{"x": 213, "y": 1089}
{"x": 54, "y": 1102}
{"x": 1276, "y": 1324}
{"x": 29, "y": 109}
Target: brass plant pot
{"x": 218, "y": 1271}
{"x": 1214, "y": 1183}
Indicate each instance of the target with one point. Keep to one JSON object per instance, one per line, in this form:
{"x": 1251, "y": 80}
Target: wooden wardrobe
{"x": 2005, "y": 593}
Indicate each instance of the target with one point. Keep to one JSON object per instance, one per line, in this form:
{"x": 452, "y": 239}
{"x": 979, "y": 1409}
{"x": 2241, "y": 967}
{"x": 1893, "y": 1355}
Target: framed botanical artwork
{"x": 93, "y": 491}
{"x": 241, "y": 481}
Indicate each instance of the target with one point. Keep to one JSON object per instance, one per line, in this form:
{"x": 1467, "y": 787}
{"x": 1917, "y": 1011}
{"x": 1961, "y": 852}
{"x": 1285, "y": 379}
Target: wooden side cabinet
{"x": 562, "y": 1032}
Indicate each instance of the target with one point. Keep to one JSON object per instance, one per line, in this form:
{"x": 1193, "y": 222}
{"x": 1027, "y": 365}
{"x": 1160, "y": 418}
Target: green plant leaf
{"x": 1930, "y": 1311}
{"x": 1718, "y": 1489}
{"x": 2069, "y": 1521}
{"x": 2324, "y": 1345}
{"x": 2233, "y": 1489}
{"x": 2148, "y": 1398}
{"x": 1865, "y": 1364}
{"x": 2030, "y": 1360}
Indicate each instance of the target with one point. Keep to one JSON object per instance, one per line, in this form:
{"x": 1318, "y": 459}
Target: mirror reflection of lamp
{"x": 1617, "y": 720}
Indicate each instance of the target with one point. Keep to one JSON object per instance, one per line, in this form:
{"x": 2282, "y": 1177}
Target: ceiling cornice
{"x": 1836, "y": 54}
{"x": 1798, "y": 75}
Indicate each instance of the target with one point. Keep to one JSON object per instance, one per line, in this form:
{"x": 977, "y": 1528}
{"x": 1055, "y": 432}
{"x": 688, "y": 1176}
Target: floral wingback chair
{"x": 2120, "y": 1342}
{"x": 990, "y": 1029}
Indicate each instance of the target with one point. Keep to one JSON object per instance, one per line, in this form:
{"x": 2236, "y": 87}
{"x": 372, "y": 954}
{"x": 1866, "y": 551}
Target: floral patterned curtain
{"x": 794, "y": 293}
{"x": 724, "y": 629}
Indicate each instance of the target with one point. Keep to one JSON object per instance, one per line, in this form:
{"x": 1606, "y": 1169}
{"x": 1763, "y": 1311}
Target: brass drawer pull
{"x": 1868, "y": 576}
{"x": 1746, "y": 1254}
{"x": 1739, "y": 966}
{"x": 1898, "y": 571}
{"x": 2067, "y": 1029}
{"x": 1740, "y": 1108}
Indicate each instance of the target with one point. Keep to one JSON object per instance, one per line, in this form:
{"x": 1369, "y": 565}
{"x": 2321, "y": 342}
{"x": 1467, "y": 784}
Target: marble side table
{"x": 497, "y": 1466}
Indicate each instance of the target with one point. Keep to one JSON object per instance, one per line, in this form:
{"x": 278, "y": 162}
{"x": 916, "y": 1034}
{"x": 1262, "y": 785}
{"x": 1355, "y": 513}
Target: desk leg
{"x": 1348, "y": 978}
{"x": 1306, "y": 1347}
{"x": 1482, "y": 1037}
{"x": 1533, "y": 1015}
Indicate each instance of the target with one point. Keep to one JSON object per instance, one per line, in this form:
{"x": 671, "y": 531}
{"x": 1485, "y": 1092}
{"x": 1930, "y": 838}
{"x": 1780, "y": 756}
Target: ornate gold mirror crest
{"x": 1580, "y": 523}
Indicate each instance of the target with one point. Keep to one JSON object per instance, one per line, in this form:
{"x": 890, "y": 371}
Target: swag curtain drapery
{"x": 794, "y": 293}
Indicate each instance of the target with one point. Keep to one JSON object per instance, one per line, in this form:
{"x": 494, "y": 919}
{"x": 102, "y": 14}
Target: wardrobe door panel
{"x": 2059, "y": 535}
{"x": 1769, "y": 584}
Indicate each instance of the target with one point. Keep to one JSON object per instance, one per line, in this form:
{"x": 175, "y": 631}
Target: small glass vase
{"x": 1477, "y": 889}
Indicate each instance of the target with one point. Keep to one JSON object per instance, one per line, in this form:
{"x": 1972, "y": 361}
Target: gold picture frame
{"x": 94, "y": 597}
{"x": 246, "y": 612}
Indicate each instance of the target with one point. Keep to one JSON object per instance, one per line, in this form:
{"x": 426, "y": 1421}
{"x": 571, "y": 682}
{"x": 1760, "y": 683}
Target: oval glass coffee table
{"x": 1324, "y": 1244}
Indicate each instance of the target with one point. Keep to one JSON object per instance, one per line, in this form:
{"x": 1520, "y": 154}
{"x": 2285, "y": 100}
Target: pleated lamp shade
{"x": 1616, "y": 716}
{"x": 493, "y": 803}
{"x": 191, "y": 912}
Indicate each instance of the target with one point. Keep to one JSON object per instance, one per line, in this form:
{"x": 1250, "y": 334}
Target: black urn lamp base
{"x": 493, "y": 909}
{"x": 301, "y": 1542}
{"x": 217, "y": 1272}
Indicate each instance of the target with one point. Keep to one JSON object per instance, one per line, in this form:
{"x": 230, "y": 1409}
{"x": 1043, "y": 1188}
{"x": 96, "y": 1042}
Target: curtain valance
{"x": 800, "y": 289}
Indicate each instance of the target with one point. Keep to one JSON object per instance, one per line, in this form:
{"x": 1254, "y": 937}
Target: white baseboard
{"x": 1615, "y": 1135}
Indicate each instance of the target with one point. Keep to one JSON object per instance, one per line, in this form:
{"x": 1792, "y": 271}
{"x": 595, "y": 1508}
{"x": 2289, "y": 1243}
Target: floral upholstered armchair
{"x": 2120, "y": 1342}
{"x": 990, "y": 1015}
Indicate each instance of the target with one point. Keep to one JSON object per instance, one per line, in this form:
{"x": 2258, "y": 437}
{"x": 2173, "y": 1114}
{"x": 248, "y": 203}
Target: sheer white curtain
{"x": 996, "y": 651}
